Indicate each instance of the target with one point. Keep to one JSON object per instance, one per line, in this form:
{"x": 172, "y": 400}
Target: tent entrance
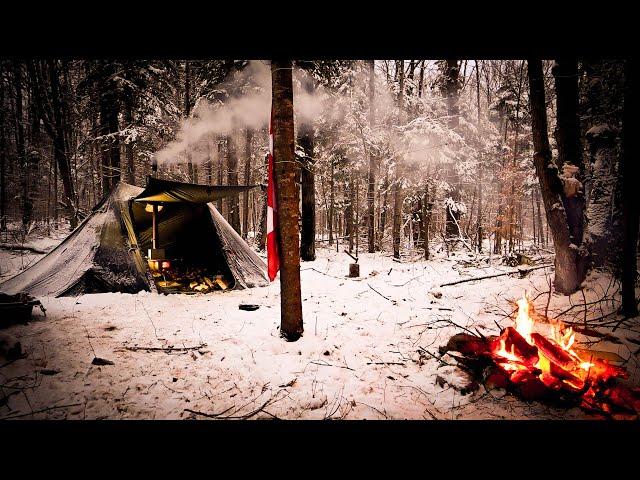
{"x": 193, "y": 257}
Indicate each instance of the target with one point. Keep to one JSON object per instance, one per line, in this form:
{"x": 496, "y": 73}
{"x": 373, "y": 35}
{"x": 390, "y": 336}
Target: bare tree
{"x": 566, "y": 275}
{"x": 371, "y": 186}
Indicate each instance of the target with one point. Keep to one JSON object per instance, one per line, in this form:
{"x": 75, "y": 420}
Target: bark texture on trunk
{"x": 603, "y": 99}
{"x": 567, "y": 135}
{"x": 286, "y": 173}
{"x": 566, "y": 275}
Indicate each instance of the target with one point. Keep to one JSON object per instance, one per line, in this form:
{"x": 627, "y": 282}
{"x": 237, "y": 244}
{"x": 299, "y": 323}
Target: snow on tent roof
{"x": 167, "y": 191}
{"x": 103, "y": 254}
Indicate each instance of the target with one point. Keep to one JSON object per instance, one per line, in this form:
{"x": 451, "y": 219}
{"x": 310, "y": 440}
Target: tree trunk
{"x": 22, "y": 162}
{"x": 480, "y": 166}
{"x": 567, "y": 135}
{"x": 286, "y": 173}
{"x": 452, "y": 87}
{"x": 128, "y": 146}
{"x": 630, "y": 203}
{"x": 371, "y": 186}
{"x": 3, "y": 158}
{"x": 308, "y": 187}
{"x": 220, "y": 175}
{"x": 209, "y": 164}
{"x": 232, "y": 179}
{"x": 566, "y": 279}
{"x": 541, "y": 236}
{"x": 109, "y": 110}
{"x": 397, "y": 213}
{"x": 263, "y": 212}
{"x": 421, "y": 79}
{"x": 397, "y": 187}
{"x": 191, "y": 168}
{"x": 385, "y": 207}
{"x": 603, "y": 235}
{"x": 331, "y": 200}
{"x": 349, "y": 211}
{"x": 427, "y": 208}
{"x": 512, "y": 196}
{"x": 247, "y": 181}
{"x": 59, "y": 145}
{"x": 533, "y": 219}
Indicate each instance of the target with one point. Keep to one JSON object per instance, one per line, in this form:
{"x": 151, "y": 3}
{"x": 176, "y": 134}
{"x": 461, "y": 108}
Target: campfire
{"x": 546, "y": 366}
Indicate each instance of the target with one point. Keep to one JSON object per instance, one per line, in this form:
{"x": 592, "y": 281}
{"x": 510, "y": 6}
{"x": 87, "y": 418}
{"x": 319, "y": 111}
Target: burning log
{"x": 514, "y": 342}
{"x": 624, "y": 397}
{"x": 465, "y": 344}
{"x": 553, "y": 352}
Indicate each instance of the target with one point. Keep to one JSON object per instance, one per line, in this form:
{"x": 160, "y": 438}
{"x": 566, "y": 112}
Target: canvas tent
{"x": 105, "y": 253}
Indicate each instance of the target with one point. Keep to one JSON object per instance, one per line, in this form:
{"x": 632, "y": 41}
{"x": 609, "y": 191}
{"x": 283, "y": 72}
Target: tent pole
{"x": 154, "y": 241}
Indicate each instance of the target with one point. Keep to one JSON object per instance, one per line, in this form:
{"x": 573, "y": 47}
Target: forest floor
{"x": 359, "y": 357}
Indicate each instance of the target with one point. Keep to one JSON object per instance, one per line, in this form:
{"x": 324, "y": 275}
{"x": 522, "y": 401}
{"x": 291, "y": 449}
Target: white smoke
{"x": 251, "y": 109}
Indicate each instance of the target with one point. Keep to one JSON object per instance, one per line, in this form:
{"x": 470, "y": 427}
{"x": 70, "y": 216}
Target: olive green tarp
{"x": 104, "y": 253}
{"x": 167, "y": 191}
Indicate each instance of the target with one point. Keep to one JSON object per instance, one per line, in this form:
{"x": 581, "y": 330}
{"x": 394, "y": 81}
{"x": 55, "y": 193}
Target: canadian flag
{"x": 273, "y": 255}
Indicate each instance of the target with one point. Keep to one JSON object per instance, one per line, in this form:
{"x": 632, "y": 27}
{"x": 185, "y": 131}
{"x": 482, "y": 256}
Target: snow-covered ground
{"x": 359, "y": 357}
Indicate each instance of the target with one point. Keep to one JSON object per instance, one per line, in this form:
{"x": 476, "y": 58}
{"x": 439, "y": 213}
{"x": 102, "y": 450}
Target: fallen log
{"x": 521, "y": 271}
{"x": 167, "y": 349}
{"x": 10, "y": 246}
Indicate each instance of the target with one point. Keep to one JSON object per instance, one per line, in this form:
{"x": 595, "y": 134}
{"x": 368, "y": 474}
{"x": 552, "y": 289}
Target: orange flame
{"x": 524, "y": 323}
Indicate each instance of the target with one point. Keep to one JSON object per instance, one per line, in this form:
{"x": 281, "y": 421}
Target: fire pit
{"x": 545, "y": 367}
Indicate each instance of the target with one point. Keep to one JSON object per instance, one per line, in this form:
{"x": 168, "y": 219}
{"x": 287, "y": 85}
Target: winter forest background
{"x": 396, "y": 155}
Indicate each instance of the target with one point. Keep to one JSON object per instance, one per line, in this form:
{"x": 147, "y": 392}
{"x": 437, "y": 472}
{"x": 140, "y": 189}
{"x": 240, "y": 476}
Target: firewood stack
{"x": 191, "y": 278}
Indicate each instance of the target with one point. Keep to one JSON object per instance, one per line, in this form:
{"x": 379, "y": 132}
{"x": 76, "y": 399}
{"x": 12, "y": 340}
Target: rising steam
{"x": 250, "y": 109}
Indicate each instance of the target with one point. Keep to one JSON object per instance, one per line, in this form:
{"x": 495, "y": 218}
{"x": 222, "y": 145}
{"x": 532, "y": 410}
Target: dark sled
{"x": 17, "y": 308}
